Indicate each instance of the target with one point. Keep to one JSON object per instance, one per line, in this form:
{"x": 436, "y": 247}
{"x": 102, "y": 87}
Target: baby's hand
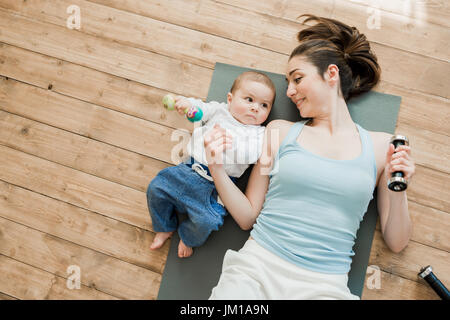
{"x": 182, "y": 104}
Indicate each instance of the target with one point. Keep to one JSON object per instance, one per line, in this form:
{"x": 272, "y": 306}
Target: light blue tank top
{"x": 314, "y": 205}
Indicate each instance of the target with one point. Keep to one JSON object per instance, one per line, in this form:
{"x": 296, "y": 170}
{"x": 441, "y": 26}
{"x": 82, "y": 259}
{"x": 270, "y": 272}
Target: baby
{"x": 188, "y": 187}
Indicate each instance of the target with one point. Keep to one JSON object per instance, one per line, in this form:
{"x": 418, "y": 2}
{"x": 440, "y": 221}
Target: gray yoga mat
{"x": 193, "y": 278}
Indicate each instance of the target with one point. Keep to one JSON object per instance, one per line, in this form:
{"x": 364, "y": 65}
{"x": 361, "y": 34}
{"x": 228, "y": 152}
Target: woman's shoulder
{"x": 279, "y": 124}
{"x": 276, "y": 132}
{"x": 380, "y": 146}
{"x": 380, "y": 138}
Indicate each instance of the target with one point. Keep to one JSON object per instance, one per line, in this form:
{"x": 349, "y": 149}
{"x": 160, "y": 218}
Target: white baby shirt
{"x": 247, "y": 139}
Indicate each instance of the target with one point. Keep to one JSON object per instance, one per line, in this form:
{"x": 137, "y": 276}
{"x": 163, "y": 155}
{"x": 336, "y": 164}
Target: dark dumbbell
{"x": 428, "y": 275}
{"x": 397, "y": 182}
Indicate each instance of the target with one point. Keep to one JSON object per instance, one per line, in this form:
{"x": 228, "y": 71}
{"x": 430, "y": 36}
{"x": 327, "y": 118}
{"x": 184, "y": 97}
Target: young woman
{"x": 308, "y": 192}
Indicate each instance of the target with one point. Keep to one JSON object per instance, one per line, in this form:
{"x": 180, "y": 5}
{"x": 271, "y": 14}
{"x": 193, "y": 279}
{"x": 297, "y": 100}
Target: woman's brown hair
{"x": 333, "y": 42}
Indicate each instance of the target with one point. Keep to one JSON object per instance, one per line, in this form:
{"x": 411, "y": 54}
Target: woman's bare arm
{"x": 395, "y": 221}
{"x": 243, "y": 208}
{"x": 238, "y": 205}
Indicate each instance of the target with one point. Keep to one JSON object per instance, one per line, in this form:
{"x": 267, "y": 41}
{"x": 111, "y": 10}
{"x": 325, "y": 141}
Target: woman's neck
{"x": 335, "y": 119}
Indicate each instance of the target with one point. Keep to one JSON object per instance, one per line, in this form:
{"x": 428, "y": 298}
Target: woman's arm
{"x": 243, "y": 208}
{"x": 395, "y": 222}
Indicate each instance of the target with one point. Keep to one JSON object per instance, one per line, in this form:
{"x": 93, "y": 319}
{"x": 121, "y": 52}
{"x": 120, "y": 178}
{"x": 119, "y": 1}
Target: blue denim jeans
{"x": 181, "y": 189}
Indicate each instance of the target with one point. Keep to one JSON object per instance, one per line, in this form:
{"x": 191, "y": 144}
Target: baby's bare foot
{"x": 159, "y": 239}
{"x": 183, "y": 250}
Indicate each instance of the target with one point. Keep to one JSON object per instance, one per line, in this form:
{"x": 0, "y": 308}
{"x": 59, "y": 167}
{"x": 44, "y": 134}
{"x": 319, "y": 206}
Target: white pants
{"x": 253, "y": 272}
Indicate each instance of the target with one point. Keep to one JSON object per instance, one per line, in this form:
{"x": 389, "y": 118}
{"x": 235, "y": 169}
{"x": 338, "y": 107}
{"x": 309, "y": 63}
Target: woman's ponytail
{"x": 332, "y": 42}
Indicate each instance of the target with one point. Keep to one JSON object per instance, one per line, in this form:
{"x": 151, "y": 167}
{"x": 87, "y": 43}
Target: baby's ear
{"x": 229, "y": 97}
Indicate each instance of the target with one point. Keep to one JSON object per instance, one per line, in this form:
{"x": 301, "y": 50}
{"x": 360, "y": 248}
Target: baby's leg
{"x": 195, "y": 230}
{"x": 159, "y": 239}
{"x": 161, "y": 207}
{"x": 183, "y": 250}
{"x": 203, "y": 218}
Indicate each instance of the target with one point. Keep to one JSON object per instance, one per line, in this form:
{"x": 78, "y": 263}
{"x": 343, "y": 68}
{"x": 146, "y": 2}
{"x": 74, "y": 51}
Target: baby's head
{"x": 251, "y": 97}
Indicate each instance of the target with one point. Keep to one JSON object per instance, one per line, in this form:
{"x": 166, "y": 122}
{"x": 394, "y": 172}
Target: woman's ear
{"x": 332, "y": 74}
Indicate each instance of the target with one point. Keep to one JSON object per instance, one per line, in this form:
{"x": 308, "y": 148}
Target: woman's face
{"x": 308, "y": 91}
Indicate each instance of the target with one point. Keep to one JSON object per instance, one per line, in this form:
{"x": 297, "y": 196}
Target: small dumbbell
{"x": 397, "y": 182}
{"x": 438, "y": 287}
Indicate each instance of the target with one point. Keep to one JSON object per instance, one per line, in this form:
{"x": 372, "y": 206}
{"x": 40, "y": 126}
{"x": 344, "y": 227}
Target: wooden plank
{"x": 431, "y": 76}
{"x": 107, "y": 56}
{"x": 410, "y": 260}
{"x": 429, "y": 149}
{"x": 97, "y": 270}
{"x": 75, "y": 187}
{"x": 431, "y": 11}
{"x": 28, "y": 283}
{"x": 419, "y": 11}
{"x": 420, "y": 110}
{"x": 393, "y": 287}
{"x": 77, "y": 152}
{"x": 284, "y": 8}
{"x": 399, "y": 279}
{"x": 149, "y": 34}
{"x": 397, "y": 30}
{"x": 430, "y": 188}
{"x": 103, "y": 89}
{"x": 92, "y": 121}
{"x": 215, "y": 18}
{"x": 262, "y": 30}
{"x": 4, "y": 296}
{"x": 83, "y": 227}
{"x": 430, "y": 226}
{"x": 417, "y": 109}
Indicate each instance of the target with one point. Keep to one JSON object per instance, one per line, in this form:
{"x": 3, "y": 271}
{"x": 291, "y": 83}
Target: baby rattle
{"x": 193, "y": 113}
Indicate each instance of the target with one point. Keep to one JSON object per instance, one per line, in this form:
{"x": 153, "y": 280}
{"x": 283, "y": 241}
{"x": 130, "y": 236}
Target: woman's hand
{"x": 182, "y": 104}
{"x": 216, "y": 141}
{"x": 401, "y": 160}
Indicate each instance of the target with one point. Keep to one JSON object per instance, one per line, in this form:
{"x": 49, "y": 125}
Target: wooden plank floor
{"x": 82, "y": 131}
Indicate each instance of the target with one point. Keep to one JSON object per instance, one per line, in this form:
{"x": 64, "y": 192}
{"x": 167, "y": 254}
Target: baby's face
{"x": 251, "y": 102}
